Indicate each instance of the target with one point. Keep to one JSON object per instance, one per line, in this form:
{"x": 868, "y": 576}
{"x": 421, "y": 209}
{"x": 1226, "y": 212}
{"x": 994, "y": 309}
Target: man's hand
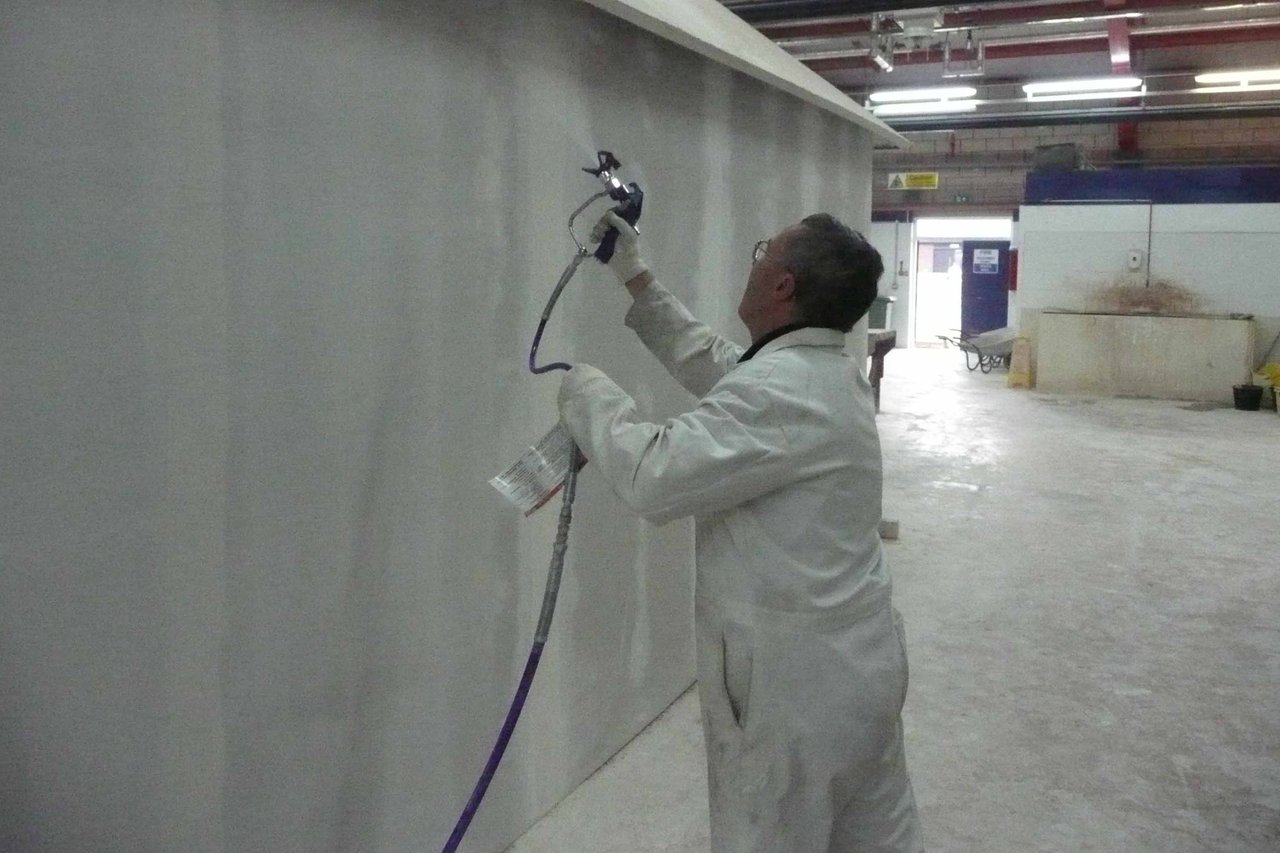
{"x": 572, "y": 380}
{"x": 626, "y": 262}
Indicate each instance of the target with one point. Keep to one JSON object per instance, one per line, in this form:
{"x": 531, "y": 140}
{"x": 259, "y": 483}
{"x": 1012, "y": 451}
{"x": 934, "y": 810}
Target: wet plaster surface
{"x": 1092, "y": 595}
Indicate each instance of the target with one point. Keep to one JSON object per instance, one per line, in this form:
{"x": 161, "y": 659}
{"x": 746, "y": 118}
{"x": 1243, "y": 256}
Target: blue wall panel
{"x": 1213, "y": 185}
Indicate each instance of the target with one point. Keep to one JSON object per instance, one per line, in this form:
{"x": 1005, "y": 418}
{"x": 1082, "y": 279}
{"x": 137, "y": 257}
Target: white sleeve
{"x": 728, "y": 450}
{"x": 693, "y": 354}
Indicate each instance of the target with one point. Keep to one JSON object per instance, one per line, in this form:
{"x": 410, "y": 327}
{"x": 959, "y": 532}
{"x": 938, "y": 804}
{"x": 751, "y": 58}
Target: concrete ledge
{"x": 1141, "y": 355}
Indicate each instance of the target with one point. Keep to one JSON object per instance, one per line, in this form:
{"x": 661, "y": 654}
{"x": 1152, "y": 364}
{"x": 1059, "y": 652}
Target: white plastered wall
{"x": 1227, "y": 255}
{"x": 893, "y": 241}
{"x": 270, "y": 272}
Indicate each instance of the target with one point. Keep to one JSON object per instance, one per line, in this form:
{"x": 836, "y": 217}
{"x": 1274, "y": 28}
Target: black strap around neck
{"x": 776, "y": 333}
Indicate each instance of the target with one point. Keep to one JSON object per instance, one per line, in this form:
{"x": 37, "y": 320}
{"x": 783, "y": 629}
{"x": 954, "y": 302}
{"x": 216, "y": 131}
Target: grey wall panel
{"x": 269, "y": 272}
{"x": 113, "y": 399}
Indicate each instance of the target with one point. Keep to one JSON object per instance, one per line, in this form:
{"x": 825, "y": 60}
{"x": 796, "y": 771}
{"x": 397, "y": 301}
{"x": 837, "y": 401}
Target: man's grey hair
{"x": 836, "y": 272}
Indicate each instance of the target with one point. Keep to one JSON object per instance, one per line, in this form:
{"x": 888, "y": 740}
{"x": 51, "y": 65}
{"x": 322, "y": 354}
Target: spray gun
{"x": 630, "y": 200}
{"x": 532, "y": 482}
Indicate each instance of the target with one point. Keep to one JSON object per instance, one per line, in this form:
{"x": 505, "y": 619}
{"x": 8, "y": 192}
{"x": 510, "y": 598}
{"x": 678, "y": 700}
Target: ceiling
{"x": 996, "y": 47}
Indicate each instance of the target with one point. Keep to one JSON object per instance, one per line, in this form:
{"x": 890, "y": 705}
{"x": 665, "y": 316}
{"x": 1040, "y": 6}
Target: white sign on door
{"x": 986, "y": 260}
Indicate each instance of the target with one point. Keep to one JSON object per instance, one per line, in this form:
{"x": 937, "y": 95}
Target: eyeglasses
{"x": 761, "y": 249}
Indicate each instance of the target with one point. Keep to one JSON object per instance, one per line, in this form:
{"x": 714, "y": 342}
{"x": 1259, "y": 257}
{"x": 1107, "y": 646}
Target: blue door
{"x": 984, "y": 285}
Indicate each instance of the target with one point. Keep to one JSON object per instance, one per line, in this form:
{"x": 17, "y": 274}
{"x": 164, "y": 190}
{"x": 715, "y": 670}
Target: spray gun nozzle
{"x": 607, "y": 163}
{"x": 617, "y": 190}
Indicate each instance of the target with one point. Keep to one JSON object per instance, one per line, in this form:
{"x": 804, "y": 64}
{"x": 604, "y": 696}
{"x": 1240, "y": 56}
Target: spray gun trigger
{"x": 632, "y": 201}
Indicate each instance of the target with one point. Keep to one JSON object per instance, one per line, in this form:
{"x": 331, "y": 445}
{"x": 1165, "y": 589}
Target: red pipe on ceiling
{"x": 829, "y": 29}
{"x": 1201, "y": 38}
{"x": 1118, "y": 41}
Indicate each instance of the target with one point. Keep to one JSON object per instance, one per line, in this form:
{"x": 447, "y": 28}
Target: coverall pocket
{"x": 737, "y": 657}
{"x": 899, "y": 628}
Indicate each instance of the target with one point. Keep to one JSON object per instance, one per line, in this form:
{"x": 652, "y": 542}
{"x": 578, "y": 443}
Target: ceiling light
{"x": 1241, "y": 87}
{"x": 1096, "y": 84}
{"x": 925, "y": 107}
{"x": 1256, "y": 5}
{"x": 1081, "y": 20}
{"x": 1257, "y": 75}
{"x": 1087, "y": 96}
{"x": 934, "y": 93}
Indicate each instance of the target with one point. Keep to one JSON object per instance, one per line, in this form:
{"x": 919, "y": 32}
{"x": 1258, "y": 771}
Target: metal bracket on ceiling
{"x": 882, "y": 41}
{"x": 971, "y": 66}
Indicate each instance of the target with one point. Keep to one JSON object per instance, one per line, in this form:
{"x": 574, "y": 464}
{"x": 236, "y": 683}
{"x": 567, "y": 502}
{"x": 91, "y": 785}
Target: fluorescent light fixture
{"x": 1257, "y": 75}
{"x": 1087, "y": 96}
{"x": 1096, "y": 84}
{"x": 1258, "y": 5}
{"x": 1081, "y": 20}
{"x": 934, "y": 93}
{"x": 1244, "y": 88}
{"x": 925, "y": 107}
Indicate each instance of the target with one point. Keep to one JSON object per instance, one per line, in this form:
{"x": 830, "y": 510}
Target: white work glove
{"x": 626, "y": 262}
{"x": 573, "y": 400}
{"x": 573, "y": 380}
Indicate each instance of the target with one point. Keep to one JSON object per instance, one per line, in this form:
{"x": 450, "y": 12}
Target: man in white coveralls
{"x": 802, "y": 670}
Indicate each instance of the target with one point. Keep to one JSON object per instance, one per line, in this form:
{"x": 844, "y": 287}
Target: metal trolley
{"x": 984, "y": 350}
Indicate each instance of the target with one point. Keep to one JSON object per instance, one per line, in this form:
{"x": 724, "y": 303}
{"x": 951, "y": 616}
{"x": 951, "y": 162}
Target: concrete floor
{"x": 1092, "y": 595}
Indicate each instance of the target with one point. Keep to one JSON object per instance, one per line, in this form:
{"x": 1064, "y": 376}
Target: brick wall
{"x": 1213, "y": 140}
{"x": 990, "y": 165}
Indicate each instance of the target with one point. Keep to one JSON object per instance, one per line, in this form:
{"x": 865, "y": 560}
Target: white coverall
{"x": 802, "y": 671}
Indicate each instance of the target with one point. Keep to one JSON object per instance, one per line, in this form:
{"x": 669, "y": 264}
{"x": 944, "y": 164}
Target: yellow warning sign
{"x": 913, "y": 180}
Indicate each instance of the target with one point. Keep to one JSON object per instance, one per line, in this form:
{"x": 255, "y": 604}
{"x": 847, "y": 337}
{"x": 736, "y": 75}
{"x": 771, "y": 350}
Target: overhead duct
{"x": 1084, "y": 10}
{"x": 1140, "y": 38}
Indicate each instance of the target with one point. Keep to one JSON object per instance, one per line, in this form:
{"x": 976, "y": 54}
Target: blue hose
{"x": 578, "y": 258}
{"x": 553, "y": 581}
{"x": 504, "y": 736}
{"x": 533, "y": 354}
{"x": 535, "y": 653}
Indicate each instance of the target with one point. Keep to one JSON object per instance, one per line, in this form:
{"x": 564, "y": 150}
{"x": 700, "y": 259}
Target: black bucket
{"x": 1248, "y": 397}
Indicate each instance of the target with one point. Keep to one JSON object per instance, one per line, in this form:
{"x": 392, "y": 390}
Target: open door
{"x": 984, "y": 285}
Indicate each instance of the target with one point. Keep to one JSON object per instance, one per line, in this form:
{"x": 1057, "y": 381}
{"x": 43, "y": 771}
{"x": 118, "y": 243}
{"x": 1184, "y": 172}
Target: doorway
{"x": 937, "y": 291}
{"x": 939, "y": 279}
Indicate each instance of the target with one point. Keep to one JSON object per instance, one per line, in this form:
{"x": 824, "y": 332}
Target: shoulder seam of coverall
{"x": 770, "y": 404}
{"x": 757, "y": 393}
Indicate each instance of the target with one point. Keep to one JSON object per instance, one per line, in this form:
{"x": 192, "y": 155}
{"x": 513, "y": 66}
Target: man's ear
{"x": 784, "y": 289}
